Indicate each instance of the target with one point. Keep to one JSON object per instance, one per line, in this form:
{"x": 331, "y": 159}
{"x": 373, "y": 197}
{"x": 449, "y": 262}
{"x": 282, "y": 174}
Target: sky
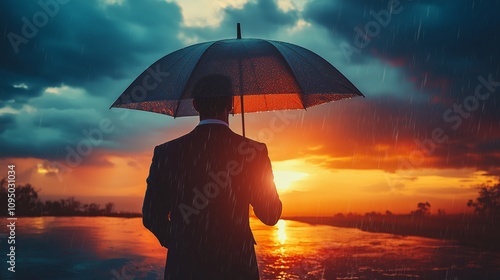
{"x": 427, "y": 129}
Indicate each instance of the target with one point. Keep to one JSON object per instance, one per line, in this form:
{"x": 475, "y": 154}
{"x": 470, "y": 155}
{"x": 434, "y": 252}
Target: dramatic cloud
{"x": 79, "y": 43}
{"x": 259, "y": 19}
{"x": 435, "y": 42}
{"x": 62, "y": 63}
{"x": 447, "y": 49}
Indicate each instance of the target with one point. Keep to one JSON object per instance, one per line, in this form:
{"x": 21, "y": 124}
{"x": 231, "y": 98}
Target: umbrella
{"x": 266, "y": 75}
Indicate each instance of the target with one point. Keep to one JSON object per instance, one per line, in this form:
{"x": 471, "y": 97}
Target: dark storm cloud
{"x": 258, "y": 19}
{"x": 7, "y": 121}
{"x": 440, "y": 46}
{"x": 87, "y": 46}
{"x": 445, "y": 48}
{"x": 11, "y": 88}
{"x": 390, "y": 133}
{"x": 78, "y": 42}
{"x": 431, "y": 40}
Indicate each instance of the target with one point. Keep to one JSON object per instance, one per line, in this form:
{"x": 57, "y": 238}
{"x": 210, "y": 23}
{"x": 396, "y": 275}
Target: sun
{"x": 285, "y": 179}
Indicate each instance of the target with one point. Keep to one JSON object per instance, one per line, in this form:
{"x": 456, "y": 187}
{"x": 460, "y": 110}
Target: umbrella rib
{"x": 255, "y": 75}
{"x": 312, "y": 65}
{"x": 181, "y": 58}
{"x": 183, "y": 92}
{"x": 179, "y": 99}
{"x": 291, "y": 70}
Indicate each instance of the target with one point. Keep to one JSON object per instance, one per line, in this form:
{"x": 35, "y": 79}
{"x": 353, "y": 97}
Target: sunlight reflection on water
{"x": 299, "y": 251}
{"x": 281, "y": 233}
{"x": 117, "y": 248}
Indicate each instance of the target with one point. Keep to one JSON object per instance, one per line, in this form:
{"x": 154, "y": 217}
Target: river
{"x": 119, "y": 249}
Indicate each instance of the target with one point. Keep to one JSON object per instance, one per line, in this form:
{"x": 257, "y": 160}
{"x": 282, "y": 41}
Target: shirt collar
{"x": 213, "y": 121}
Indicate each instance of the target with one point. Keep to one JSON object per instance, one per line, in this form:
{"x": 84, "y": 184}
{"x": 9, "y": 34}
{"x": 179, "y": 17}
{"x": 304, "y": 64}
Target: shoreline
{"x": 464, "y": 230}
{"x": 460, "y": 229}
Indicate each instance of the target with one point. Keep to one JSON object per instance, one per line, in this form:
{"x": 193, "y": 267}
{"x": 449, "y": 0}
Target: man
{"x": 199, "y": 190}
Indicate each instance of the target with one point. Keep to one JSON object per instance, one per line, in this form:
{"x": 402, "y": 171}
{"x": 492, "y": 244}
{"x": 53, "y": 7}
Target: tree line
{"x": 27, "y": 203}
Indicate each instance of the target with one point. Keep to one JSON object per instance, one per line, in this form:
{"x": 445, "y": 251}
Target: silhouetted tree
{"x": 108, "y": 208}
{"x": 3, "y": 197}
{"x": 85, "y": 208}
{"x": 26, "y": 200}
{"x": 94, "y": 209}
{"x": 57, "y": 208}
{"x": 423, "y": 208}
{"x": 26, "y": 197}
{"x": 28, "y": 204}
{"x": 71, "y": 206}
{"x": 373, "y": 213}
{"x": 488, "y": 201}
{"x": 48, "y": 207}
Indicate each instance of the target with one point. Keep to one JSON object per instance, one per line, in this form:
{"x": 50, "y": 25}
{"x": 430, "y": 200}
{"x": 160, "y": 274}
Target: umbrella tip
{"x": 238, "y": 31}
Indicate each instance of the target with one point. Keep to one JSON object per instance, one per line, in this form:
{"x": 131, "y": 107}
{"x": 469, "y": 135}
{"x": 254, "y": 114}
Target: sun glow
{"x": 44, "y": 168}
{"x": 281, "y": 234}
{"x": 285, "y": 179}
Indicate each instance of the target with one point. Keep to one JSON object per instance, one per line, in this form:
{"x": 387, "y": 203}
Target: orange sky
{"x": 408, "y": 141}
{"x": 317, "y": 170}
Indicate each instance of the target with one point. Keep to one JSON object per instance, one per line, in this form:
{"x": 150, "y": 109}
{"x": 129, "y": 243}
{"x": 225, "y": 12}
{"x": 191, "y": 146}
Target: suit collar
{"x": 212, "y": 121}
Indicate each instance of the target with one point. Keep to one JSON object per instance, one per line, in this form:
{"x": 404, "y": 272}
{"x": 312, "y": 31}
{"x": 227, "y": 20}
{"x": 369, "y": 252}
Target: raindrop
{"x": 418, "y": 31}
{"x": 40, "y": 122}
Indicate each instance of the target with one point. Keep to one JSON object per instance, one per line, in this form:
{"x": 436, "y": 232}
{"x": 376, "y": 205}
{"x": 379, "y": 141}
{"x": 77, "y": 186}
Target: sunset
{"x": 426, "y": 130}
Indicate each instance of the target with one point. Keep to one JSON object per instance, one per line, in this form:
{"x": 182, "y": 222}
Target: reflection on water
{"x": 281, "y": 232}
{"x": 116, "y": 248}
{"x": 299, "y": 251}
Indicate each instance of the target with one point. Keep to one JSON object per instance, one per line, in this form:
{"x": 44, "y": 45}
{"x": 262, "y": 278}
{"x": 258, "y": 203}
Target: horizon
{"x": 426, "y": 131}
{"x": 122, "y": 205}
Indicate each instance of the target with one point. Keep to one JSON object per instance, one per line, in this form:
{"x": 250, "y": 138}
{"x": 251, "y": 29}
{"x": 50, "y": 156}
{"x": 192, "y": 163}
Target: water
{"x": 119, "y": 249}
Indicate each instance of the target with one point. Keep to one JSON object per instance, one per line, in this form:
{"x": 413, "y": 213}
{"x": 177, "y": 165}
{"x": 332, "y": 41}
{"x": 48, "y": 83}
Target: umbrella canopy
{"x": 268, "y": 75}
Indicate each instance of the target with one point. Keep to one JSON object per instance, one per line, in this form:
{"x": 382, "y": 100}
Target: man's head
{"x": 213, "y": 96}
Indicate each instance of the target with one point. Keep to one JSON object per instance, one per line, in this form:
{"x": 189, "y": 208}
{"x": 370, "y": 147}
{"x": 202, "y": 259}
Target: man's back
{"x": 205, "y": 181}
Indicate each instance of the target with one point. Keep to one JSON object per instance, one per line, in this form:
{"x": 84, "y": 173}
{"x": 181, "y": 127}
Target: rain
{"x": 352, "y": 140}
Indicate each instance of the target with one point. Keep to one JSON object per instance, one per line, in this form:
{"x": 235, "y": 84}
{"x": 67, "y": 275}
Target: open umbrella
{"x": 266, "y": 75}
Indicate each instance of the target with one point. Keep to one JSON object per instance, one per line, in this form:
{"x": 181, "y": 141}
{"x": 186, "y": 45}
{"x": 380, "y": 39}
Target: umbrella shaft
{"x": 242, "y": 115}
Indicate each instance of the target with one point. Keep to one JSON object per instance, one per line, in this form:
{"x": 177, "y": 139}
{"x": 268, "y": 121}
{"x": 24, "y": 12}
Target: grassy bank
{"x": 465, "y": 229}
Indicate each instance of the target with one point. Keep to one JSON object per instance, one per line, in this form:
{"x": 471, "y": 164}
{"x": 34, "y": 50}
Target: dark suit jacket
{"x": 197, "y": 202}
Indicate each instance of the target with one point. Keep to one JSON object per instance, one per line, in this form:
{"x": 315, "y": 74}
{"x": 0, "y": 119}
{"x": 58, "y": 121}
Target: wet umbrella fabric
{"x": 268, "y": 75}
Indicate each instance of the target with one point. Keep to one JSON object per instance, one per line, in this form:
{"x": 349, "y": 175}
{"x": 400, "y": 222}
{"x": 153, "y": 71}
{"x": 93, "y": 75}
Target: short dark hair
{"x": 213, "y": 94}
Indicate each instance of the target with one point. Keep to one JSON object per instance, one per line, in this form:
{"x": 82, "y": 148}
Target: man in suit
{"x": 199, "y": 190}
